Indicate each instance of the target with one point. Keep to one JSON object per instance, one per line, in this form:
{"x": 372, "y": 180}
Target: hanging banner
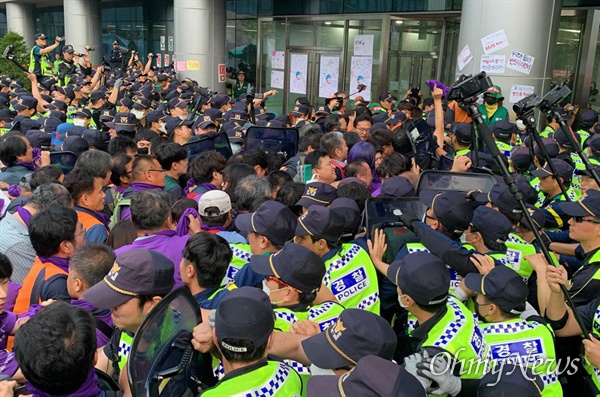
{"x": 518, "y": 92}
{"x": 298, "y": 73}
{"x": 181, "y": 66}
{"x": 159, "y": 60}
{"x": 464, "y": 57}
{"x": 494, "y": 42}
{"x": 192, "y": 65}
{"x": 492, "y": 64}
{"x": 167, "y": 62}
{"x": 520, "y": 62}
{"x": 329, "y": 70}
{"x": 222, "y": 75}
{"x": 277, "y": 77}
{"x": 162, "y": 43}
{"x": 361, "y": 69}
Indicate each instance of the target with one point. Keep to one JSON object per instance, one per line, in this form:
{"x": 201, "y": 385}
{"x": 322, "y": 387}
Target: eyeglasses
{"x": 279, "y": 282}
{"x": 429, "y": 217}
{"x": 363, "y": 129}
{"x": 580, "y": 219}
{"x": 161, "y": 171}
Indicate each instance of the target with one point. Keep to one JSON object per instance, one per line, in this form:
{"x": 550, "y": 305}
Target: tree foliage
{"x": 21, "y": 56}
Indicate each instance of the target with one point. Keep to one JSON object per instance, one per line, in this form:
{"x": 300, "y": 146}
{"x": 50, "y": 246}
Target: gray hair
{"x": 331, "y": 141}
{"x": 92, "y": 262}
{"x": 99, "y": 163}
{"x": 150, "y": 209}
{"x": 250, "y": 189}
{"x": 49, "y": 195}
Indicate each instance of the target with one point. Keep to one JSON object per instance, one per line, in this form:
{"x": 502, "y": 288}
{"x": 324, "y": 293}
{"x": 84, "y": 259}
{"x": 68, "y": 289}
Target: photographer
{"x": 39, "y": 61}
{"x": 67, "y": 67}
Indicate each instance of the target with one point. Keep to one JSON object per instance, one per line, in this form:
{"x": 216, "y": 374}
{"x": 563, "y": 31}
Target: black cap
{"x": 83, "y": 112}
{"x": 317, "y": 193}
{"x": 38, "y": 138}
{"x": 142, "y": 104}
{"x": 537, "y": 215}
{"x": 97, "y": 95}
{"x": 491, "y": 224}
{"x": 135, "y": 272}
{"x": 74, "y": 144}
{"x": 124, "y": 121}
{"x": 75, "y": 130}
{"x": 203, "y": 121}
{"x": 503, "y": 286}
{"x": 24, "y": 102}
{"x": 387, "y": 97}
{"x": 66, "y": 91}
{"x": 551, "y": 147}
{"x": 397, "y": 186}
{"x": 39, "y": 36}
{"x": 462, "y": 132}
{"x": 589, "y": 117}
{"x": 295, "y": 265}
{"x": 356, "y": 334}
{"x": 321, "y": 223}
{"x": 323, "y": 111}
{"x": 501, "y": 197}
{"x": 450, "y": 207}
{"x": 588, "y": 206}
{"x": 504, "y": 129}
{"x": 272, "y": 219}
{"x": 56, "y": 105}
{"x": 7, "y": 115}
{"x": 561, "y": 138}
{"x": 577, "y": 171}
{"x": 219, "y": 100}
{"x": 155, "y": 115}
{"x": 300, "y": 110}
{"x": 422, "y": 276}
{"x": 245, "y": 314}
{"x": 521, "y": 158}
{"x": 236, "y": 115}
{"x": 236, "y": 134}
{"x": 95, "y": 138}
{"x": 68, "y": 49}
{"x": 174, "y": 122}
{"x": 127, "y": 102}
{"x": 510, "y": 380}
{"x": 563, "y": 169}
{"x": 178, "y": 103}
{"x": 107, "y": 115}
{"x": 373, "y": 376}
{"x": 347, "y": 213}
{"x": 594, "y": 144}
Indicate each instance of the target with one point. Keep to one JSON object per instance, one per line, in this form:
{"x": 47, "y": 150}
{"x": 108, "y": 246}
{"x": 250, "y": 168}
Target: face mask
{"x": 184, "y": 118}
{"x": 314, "y": 370}
{"x": 162, "y": 128}
{"x": 138, "y": 114}
{"x": 479, "y": 316}
{"x": 490, "y": 100}
{"x": 402, "y": 305}
{"x": 79, "y": 122}
{"x": 520, "y": 125}
{"x": 267, "y": 291}
{"x": 142, "y": 150}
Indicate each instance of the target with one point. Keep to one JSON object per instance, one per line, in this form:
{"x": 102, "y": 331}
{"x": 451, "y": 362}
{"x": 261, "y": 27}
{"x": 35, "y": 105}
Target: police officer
{"x": 292, "y": 278}
{"x": 243, "y": 333}
{"x": 504, "y": 131}
{"x": 67, "y": 66}
{"x": 350, "y": 274}
{"x": 443, "y": 324}
{"x": 115, "y": 57}
{"x": 39, "y": 60}
{"x": 501, "y": 298}
{"x": 589, "y": 119}
{"x": 555, "y": 218}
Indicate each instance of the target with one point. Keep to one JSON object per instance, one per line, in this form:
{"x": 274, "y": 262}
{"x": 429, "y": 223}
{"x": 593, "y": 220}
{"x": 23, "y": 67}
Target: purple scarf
{"x": 140, "y": 187}
{"x": 24, "y": 214}
{"x": 96, "y": 214}
{"x": 62, "y": 263}
{"x": 89, "y": 388}
{"x": 189, "y": 184}
{"x": 184, "y": 222}
{"x": 14, "y": 191}
{"x": 120, "y": 190}
{"x": 29, "y": 165}
{"x": 432, "y": 83}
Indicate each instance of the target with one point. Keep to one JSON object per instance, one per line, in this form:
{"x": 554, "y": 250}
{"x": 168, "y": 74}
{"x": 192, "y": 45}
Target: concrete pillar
{"x": 531, "y": 27}
{"x": 82, "y": 26}
{"x": 200, "y": 36}
{"x": 20, "y": 19}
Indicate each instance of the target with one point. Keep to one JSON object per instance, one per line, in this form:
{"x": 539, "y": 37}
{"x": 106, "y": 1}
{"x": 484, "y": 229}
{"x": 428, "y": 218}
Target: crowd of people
{"x": 297, "y": 296}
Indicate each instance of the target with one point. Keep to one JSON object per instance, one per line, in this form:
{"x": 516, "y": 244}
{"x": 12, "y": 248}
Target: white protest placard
{"x": 298, "y": 70}
{"x": 361, "y": 70}
{"x": 492, "y": 64}
{"x": 277, "y": 77}
{"x": 518, "y": 92}
{"x": 328, "y": 76}
{"x": 494, "y": 42}
{"x": 363, "y": 44}
{"x": 278, "y": 59}
{"x": 520, "y": 62}
{"x": 464, "y": 57}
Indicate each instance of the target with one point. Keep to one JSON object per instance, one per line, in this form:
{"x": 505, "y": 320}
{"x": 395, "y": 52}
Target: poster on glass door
{"x": 298, "y": 72}
{"x": 329, "y": 70}
{"x": 361, "y": 69}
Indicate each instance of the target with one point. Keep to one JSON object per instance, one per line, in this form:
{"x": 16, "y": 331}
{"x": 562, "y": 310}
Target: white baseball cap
{"x": 214, "y": 198}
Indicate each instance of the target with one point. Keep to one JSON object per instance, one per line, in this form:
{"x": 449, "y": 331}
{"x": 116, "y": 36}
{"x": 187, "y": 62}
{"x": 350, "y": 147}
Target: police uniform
{"x": 39, "y": 64}
{"x": 515, "y": 341}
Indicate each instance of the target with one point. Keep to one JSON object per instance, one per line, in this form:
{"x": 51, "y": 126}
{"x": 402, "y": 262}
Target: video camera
{"x": 526, "y": 105}
{"x": 553, "y": 97}
{"x": 468, "y": 86}
{"x": 9, "y": 55}
{"x": 123, "y": 50}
